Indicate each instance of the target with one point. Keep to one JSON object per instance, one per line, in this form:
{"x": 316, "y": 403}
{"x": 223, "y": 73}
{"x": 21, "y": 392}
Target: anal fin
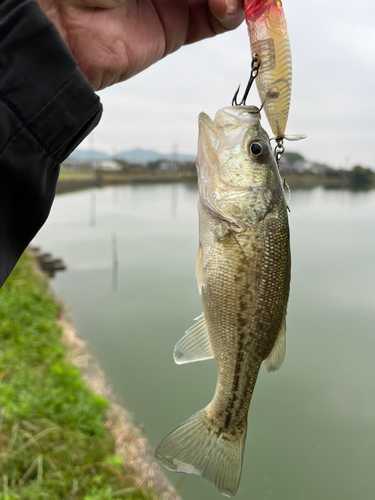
{"x": 195, "y": 344}
{"x": 276, "y": 356}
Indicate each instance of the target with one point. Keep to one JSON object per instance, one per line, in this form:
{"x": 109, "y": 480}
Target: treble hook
{"x": 255, "y": 65}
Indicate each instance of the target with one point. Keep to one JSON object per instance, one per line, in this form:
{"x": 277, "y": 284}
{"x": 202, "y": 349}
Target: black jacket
{"x": 47, "y": 108}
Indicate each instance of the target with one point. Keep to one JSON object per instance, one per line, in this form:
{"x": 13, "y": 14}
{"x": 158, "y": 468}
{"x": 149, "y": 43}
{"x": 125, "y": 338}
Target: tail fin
{"x": 196, "y": 448}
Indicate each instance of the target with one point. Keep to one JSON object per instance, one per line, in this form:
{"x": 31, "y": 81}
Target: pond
{"x": 311, "y": 426}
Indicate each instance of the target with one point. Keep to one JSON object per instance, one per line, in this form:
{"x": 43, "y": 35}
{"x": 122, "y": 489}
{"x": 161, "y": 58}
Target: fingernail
{"x": 232, "y": 7}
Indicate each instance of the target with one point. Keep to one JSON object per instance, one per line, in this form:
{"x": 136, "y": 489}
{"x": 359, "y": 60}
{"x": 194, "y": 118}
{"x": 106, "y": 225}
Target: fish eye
{"x": 259, "y": 150}
{"x": 256, "y": 149}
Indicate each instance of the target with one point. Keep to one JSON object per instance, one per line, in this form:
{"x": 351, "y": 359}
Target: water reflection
{"x": 311, "y": 431}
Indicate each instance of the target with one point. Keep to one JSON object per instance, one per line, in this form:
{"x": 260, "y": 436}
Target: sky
{"x": 333, "y": 96}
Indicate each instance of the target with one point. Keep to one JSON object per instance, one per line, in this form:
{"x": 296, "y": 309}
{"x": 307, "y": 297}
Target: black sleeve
{"x": 47, "y": 108}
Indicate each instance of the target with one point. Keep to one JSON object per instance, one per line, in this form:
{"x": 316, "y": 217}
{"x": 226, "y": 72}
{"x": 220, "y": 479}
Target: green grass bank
{"x": 53, "y": 442}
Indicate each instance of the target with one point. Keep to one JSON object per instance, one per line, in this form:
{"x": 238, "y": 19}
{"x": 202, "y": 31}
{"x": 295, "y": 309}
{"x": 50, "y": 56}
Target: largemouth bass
{"x": 243, "y": 274}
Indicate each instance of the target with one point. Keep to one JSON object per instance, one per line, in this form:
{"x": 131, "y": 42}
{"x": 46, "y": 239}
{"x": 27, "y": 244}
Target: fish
{"x": 243, "y": 275}
{"x": 269, "y": 40}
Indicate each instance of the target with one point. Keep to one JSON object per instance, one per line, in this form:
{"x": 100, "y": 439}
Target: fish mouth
{"x": 229, "y": 128}
{"x": 237, "y": 115}
{"x": 208, "y": 144}
{"x": 231, "y": 115}
{"x": 225, "y": 119}
{"x": 205, "y": 122}
{"x": 207, "y": 127}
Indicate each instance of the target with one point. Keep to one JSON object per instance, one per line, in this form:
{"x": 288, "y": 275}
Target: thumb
{"x": 227, "y": 14}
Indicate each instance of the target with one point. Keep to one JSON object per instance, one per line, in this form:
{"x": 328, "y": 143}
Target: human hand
{"x": 112, "y": 40}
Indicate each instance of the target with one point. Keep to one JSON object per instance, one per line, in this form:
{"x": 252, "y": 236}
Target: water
{"x": 311, "y": 433}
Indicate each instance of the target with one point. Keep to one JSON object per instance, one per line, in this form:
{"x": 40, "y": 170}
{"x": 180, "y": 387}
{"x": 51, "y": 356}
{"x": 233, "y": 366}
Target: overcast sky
{"x": 333, "y": 97}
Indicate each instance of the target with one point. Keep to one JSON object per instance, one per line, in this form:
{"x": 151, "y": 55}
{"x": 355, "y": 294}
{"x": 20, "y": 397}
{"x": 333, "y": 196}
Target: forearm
{"x": 47, "y": 108}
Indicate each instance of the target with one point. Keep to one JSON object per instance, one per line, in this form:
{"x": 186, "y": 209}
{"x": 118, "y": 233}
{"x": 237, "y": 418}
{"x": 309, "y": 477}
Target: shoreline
{"x": 70, "y": 183}
{"x": 130, "y": 441}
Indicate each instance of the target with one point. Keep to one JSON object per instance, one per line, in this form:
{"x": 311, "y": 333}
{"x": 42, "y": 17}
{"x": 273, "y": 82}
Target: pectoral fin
{"x": 195, "y": 344}
{"x": 198, "y": 269}
{"x": 276, "y": 357}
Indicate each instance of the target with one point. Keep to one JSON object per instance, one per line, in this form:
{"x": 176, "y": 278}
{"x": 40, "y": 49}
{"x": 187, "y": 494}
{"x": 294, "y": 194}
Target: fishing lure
{"x": 269, "y": 42}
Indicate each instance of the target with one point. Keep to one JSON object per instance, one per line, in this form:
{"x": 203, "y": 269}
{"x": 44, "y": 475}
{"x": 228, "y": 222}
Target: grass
{"x": 124, "y": 177}
{"x": 76, "y": 176}
{"x": 53, "y": 444}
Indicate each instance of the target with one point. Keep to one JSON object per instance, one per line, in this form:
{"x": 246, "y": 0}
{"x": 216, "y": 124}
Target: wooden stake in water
{"x": 114, "y": 262}
{"x": 93, "y": 208}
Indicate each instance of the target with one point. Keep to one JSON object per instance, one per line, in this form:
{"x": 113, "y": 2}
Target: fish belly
{"x": 245, "y": 284}
{"x": 244, "y": 295}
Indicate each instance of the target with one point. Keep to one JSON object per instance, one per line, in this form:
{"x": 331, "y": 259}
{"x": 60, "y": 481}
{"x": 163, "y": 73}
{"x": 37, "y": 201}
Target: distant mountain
{"x": 147, "y": 155}
{"x": 132, "y": 156}
{"x": 88, "y": 155}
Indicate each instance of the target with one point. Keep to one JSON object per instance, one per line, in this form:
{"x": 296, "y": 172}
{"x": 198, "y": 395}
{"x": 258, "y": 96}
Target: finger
{"x": 227, "y": 14}
{"x": 211, "y": 17}
{"x": 101, "y": 4}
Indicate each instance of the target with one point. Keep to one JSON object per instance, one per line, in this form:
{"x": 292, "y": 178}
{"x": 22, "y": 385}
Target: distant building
{"x": 109, "y": 165}
{"x": 302, "y": 166}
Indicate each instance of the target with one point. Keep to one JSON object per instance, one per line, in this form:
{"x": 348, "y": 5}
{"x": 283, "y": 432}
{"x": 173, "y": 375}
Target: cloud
{"x": 333, "y": 101}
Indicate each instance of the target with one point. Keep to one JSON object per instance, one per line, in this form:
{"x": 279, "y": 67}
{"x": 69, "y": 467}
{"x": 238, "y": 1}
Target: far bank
{"x": 74, "y": 180}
